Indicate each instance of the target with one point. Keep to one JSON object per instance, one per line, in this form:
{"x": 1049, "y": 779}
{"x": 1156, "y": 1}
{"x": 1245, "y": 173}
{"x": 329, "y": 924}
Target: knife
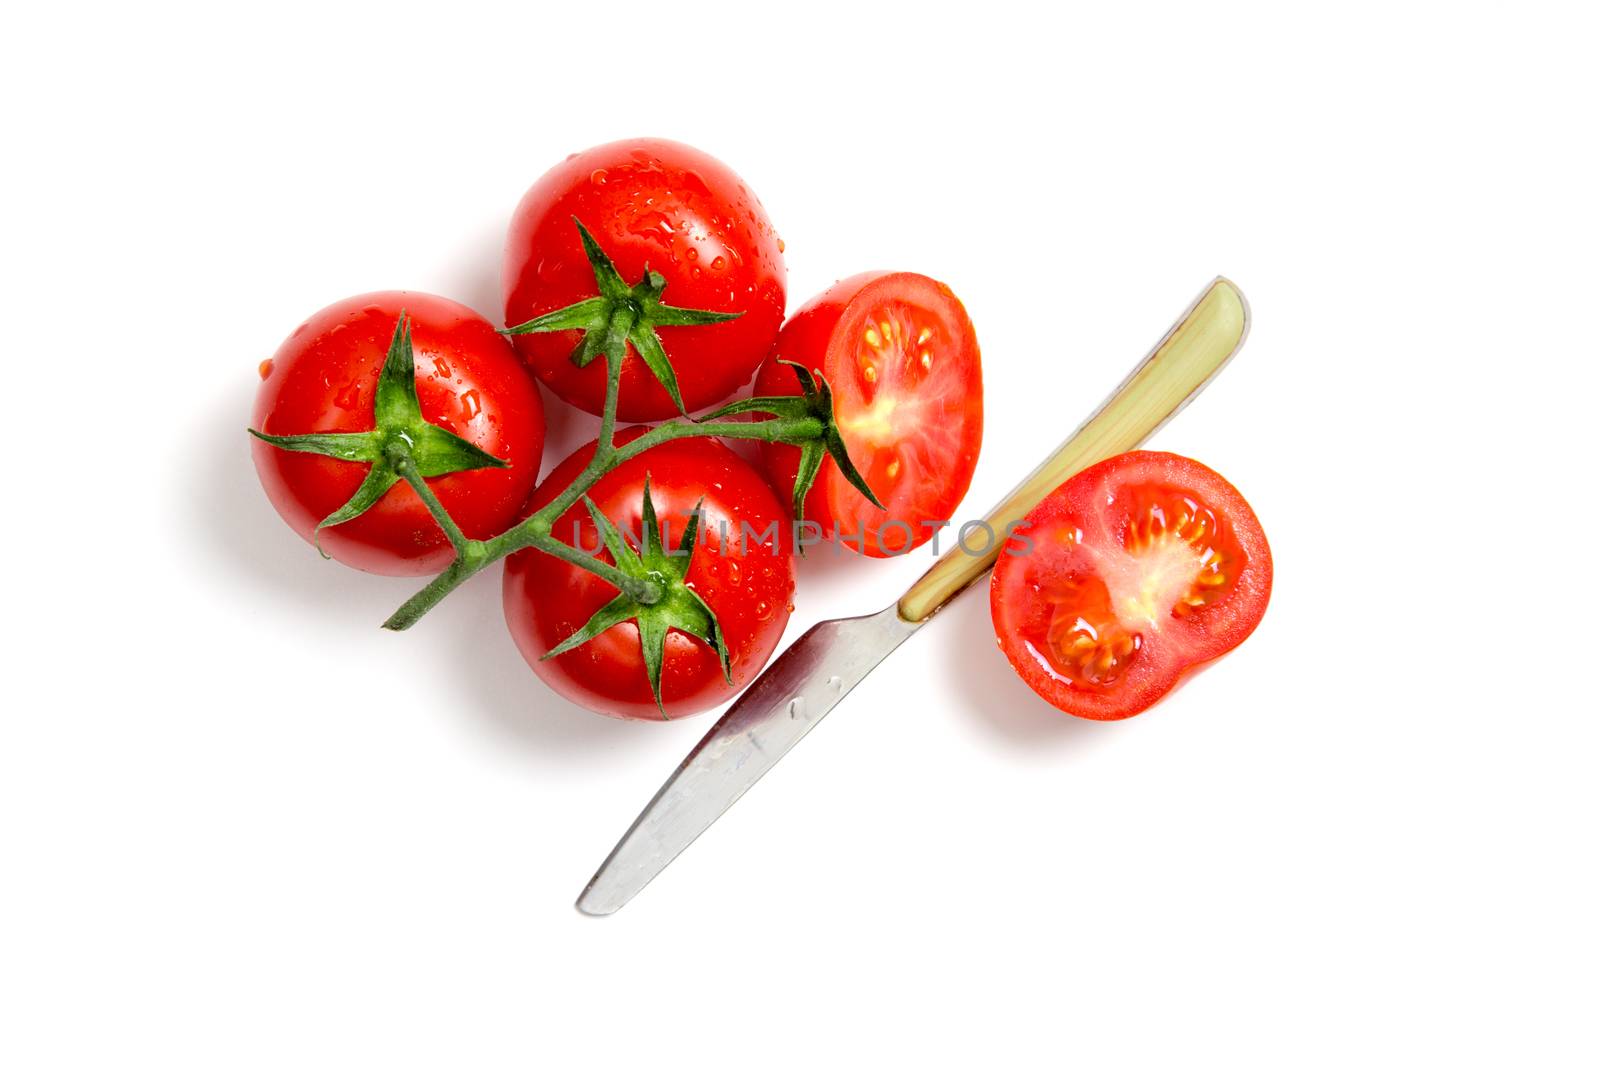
{"x": 819, "y": 669}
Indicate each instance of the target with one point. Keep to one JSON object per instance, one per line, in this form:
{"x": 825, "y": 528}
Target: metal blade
{"x": 781, "y": 707}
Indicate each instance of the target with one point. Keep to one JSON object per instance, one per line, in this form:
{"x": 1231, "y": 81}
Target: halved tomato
{"x": 1126, "y": 579}
{"x": 902, "y": 358}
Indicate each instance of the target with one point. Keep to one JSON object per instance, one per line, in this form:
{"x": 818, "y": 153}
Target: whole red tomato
{"x": 901, "y": 357}
{"x": 1129, "y": 577}
{"x": 684, "y": 215}
{"x": 742, "y": 568}
{"x": 468, "y": 381}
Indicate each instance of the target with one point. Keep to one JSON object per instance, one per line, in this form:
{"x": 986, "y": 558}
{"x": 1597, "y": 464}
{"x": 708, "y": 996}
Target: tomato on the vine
{"x": 1126, "y": 579}
{"x": 324, "y": 380}
{"x": 903, "y": 362}
{"x": 662, "y": 207}
{"x": 740, "y": 567}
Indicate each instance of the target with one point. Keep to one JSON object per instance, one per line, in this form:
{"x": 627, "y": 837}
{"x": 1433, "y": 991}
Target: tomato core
{"x": 894, "y": 409}
{"x": 1170, "y": 556}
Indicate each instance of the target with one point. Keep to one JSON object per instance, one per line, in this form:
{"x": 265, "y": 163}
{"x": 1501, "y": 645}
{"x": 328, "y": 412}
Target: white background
{"x": 241, "y": 825}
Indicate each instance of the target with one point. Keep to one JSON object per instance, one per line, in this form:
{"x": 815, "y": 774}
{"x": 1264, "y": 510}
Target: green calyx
{"x": 621, "y": 315}
{"x": 403, "y": 445}
{"x": 815, "y": 402}
{"x": 653, "y": 594}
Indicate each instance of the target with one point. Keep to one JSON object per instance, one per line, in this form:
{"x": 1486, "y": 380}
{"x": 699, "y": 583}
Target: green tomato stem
{"x": 401, "y": 462}
{"x": 642, "y": 591}
{"x": 616, "y": 347}
{"x": 534, "y": 531}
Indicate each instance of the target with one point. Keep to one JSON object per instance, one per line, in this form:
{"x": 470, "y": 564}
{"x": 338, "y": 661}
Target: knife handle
{"x": 1185, "y": 360}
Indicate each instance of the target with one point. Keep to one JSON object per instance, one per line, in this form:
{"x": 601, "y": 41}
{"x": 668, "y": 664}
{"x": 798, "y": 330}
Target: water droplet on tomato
{"x": 265, "y": 369}
{"x": 654, "y": 225}
{"x": 693, "y": 254}
{"x": 598, "y": 176}
{"x": 440, "y": 367}
{"x": 693, "y": 183}
{"x": 763, "y": 610}
{"x": 718, "y": 263}
{"x": 349, "y": 397}
{"x": 471, "y": 403}
{"x": 780, "y": 244}
{"x": 734, "y": 577}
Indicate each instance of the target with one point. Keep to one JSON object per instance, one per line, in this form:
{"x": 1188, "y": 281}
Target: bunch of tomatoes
{"x": 643, "y": 281}
{"x": 651, "y": 573}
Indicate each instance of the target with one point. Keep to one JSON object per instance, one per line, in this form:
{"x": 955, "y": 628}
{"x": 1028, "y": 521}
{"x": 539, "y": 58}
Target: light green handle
{"x": 1185, "y": 360}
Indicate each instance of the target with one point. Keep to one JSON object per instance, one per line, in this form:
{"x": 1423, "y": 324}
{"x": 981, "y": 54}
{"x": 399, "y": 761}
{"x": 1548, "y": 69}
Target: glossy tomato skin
{"x": 469, "y": 381}
{"x": 909, "y": 400}
{"x": 747, "y": 582}
{"x": 1161, "y": 534}
{"x": 682, "y": 213}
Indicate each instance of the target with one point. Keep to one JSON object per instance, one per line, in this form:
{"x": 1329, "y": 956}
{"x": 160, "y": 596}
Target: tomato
{"x": 468, "y": 380}
{"x": 1126, "y": 579}
{"x": 681, "y": 213}
{"x": 747, "y": 581}
{"x": 903, "y": 361}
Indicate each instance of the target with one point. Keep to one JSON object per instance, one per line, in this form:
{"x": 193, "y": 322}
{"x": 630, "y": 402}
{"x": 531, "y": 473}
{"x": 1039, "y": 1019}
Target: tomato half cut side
{"x": 1126, "y": 579}
{"x": 901, "y": 356}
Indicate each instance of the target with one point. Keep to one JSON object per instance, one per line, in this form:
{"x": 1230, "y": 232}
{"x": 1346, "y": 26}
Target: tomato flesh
{"x": 1126, "y": 579}
{"x": 901, "y": 356}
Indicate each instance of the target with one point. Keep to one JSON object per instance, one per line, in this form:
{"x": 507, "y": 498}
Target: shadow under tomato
{"x": 845, "y": 581}
{"x": 235, "y": 525}
{"x": 981, "y": 680}
{"x": 473, "y": 278}
{"x": 239, "y": 532}
{"x": 501, "y": 690}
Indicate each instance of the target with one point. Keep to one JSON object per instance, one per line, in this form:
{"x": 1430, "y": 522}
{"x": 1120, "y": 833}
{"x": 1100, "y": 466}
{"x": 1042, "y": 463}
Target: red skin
{"x": 919, "y": 463}
{"x": 688, "y": 217}
{"x": 469, "y": 381}
{"x": 749, "y": 588}
{"x": 1082, "y": 532}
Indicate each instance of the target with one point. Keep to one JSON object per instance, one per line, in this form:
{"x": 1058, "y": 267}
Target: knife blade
{"x": 816, "y": 672}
